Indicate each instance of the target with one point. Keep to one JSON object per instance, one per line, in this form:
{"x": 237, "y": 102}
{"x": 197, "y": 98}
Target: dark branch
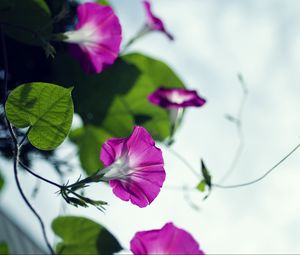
{"x": 39, "y": 177}
{"x": 5, "y": 64}
{"x": 25, "y": 136}
{"x": 16, "y": 158}
{"x": 16, "y": 149}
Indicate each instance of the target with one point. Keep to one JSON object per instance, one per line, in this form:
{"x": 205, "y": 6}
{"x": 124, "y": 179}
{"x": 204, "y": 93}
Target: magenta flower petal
{"x": 176, "y": 98}
{"x": 167, "y": 240}
{"x": 154, "y": 22}
{"x": 111, "y": 150}
{"x": 95, "y": 43}
{"x": 134, "y": 167}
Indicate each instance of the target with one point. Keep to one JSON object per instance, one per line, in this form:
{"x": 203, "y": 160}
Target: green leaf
{"x": 116, "y": 99}
{"x": 201, "y": 186}
{"x": 1, "y": 183}
{"x": 4, "y": 250}
{"x": 112, "y": 102}
{"x": 83, "y": 236}
{"x": 28, "y": 21}
{"x": 46, "y": 108}
{"x": 103, "y": 2}
{"x": 206, "y": 174}
{"x": 89, "y": 141}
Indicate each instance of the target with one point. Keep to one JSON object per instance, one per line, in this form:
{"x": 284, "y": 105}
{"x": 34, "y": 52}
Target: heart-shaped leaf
{"x": 116, "y": 99}
{"x": 83, "y": 236}
{"x": 46, "y": 108}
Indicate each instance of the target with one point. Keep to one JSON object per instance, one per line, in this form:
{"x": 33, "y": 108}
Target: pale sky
{"x": 214, "y": 40}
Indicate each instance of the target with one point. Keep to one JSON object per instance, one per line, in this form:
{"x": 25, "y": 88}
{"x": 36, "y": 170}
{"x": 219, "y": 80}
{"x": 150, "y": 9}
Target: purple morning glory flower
{"x": 167, "y": 240}
{"x": 153, "y": 22}
{"x": 176, "y": 98}
{"x": 95, "y": 43}
{"x": 134, "y": 167}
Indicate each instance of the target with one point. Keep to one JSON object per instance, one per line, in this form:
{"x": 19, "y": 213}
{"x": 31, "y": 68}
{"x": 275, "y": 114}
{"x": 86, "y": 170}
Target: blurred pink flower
{"x": 153, "y": 22}
{"x": 95, "y": 43}
{"x": 176, "y": 98}
{"x": 167, "y": 240}
{"x": 134, "y": 167}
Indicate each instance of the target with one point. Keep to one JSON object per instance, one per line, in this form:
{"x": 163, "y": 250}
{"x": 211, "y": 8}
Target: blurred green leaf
{"x": 58, "y": 6}
{"x": 89, "y": 140}
{"x": 201, "y": 186}
{"x": 83, "y": 236}
{"x": 46, "y": 108}
{"x": 1, "y": 183}
{"x": 117, "y": 98}
{"x": 4, "y": 249}
{"x": 28, "y": 21}
{"x": 103, "y": 2}
{"x": 112, "y": 102}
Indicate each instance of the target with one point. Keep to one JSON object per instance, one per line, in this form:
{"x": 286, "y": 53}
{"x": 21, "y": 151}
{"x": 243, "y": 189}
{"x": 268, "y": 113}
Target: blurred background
{"x": 214, "y": 41}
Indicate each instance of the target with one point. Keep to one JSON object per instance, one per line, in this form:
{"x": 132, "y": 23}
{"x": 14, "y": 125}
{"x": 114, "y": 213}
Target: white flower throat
{"x": 86, "y": 35}
{"x": 119, "y": 169}
{"x": 177, "y": 98}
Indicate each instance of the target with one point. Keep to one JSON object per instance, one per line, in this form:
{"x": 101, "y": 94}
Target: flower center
{"x": 120, "y": 169}
{"x": 177, "y": 98}
{"x": 86, "y": 35}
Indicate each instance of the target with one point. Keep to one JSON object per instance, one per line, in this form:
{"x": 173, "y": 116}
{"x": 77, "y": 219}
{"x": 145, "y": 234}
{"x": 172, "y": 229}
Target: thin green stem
{"x": 143, "y": 31}
{"x": 239, "y": 126}
{"x": 260, "y": 178}
{"x": 81, "y": 183}
{"x": 184, "y": 161}
{"x": 235, "y": 185}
